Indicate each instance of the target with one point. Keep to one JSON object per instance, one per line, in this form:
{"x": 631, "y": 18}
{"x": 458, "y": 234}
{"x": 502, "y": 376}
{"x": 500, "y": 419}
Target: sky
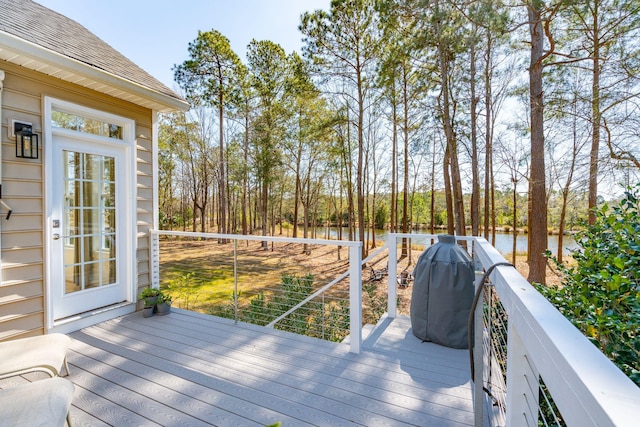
{"x": 155, "y": 34}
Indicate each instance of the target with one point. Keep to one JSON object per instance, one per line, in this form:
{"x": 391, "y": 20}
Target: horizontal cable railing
{"x": 494, "y": 350}
{"x": 374, "y": 275}
{"x": 554, "y": 375}
{"x": 269, "y": 281}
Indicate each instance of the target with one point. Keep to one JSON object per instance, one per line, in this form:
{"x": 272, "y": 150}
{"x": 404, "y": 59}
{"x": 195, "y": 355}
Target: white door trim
{"x": 129, "y": 216}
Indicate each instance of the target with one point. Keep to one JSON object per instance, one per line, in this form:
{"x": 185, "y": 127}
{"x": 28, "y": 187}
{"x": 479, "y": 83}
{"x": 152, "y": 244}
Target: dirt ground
{"x": 553, "y": 277}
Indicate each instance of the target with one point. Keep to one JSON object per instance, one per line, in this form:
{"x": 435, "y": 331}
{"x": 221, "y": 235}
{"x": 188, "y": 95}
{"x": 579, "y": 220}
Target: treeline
{"x": 403, "y": 112}
{"x": 180, "y": 215}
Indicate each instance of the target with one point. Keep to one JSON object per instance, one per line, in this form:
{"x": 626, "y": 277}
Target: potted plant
{"x": 148, "y": 309}
{"x": 149, "y": 297}
{"x": 164, "y": 304}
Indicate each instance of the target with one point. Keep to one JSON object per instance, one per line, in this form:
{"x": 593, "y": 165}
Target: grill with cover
{"x": 442, "y": 294}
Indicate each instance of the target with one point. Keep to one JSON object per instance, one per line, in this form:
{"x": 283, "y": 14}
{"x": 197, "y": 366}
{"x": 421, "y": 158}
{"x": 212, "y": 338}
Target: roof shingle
{"x": 44, "y": 27}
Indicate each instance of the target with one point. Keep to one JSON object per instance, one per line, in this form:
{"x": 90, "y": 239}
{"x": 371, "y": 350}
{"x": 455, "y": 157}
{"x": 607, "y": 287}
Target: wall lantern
{"x": 26, "y": 141}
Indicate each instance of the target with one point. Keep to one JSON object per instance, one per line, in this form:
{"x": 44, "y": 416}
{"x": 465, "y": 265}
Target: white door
{"x": 87, "y": 214}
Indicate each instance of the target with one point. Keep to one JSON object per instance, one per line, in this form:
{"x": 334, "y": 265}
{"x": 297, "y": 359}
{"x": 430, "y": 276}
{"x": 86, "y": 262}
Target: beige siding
{"x": 22, "y": 290}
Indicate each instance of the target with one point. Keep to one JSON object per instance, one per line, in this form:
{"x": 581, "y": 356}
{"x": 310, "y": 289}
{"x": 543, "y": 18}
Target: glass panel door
{"x": 88, "y": 246}
{"x": 90, "y": 221}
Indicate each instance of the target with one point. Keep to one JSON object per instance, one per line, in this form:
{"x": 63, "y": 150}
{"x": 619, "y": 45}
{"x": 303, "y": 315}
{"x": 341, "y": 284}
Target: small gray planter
{"x": 163, "y": 308}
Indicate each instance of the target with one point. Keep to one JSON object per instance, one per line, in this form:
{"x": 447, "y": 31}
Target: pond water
{"x": 504, "y": 241}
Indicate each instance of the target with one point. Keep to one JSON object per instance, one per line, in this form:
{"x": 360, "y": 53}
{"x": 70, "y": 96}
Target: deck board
{"x": 193, "y": 369}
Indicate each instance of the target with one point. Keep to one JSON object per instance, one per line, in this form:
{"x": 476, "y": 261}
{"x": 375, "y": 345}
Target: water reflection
{"x": 504, "y": 241}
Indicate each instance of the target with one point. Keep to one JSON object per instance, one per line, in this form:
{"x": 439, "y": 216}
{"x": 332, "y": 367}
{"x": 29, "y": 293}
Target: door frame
{"x": 127, "y": 209}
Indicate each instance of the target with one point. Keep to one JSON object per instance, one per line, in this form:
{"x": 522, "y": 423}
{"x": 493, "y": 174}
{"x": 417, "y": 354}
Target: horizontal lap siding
{"x": 22, "y": 290}
{"x": 144, "y": 200}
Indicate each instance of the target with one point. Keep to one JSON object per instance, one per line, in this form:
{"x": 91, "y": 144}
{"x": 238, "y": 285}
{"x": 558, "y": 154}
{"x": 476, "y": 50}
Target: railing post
{"x": 522, "y": 382}
{"x": 392, "y": 276}
{"x": 154, "y": 259}
{"x": 355, "y": 297}
{"x": 235, "y": 280}
{"x": 478, "y": 356}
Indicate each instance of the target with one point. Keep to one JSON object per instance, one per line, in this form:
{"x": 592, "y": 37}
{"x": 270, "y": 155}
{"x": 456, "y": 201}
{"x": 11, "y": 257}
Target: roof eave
{"x": 38, "y": 58}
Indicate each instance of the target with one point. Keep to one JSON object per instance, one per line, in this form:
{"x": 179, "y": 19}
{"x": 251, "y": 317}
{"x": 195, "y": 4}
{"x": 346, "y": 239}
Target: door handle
{"x": 56, "y": 236}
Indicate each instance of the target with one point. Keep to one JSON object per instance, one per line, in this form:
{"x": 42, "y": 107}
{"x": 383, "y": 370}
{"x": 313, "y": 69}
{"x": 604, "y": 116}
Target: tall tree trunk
{"x": 245, "y": 173}
{"x": 360, "y": 176}
{"x": 394, "y": 162}
{"x": 365, "y": 185}
{"x": 203, "y": 219}
{"x": 452, "y": 143}
{"x": 493, "y": 202}
{"x": 475, "y": 184}
{"x": 432, "y": 218}
{"x": 567, "y": 186}
{"x": 222, "y": 221}
{"x": 280, "y": 216}
{"x": 272, "y": 219}
{"x": 340, "y": 210}
{"x": 596, "y": 118}
{"x": 458, "y": 196}
{"x": 194, "y": 226}
{"x": 448, "y": 192}
{"x": 561, "y": 226}
{"x": 183, "y": 204}
{"x": 346, "y": 154}
{"x": 374, "y": 190}
{"x": 265, "y": 211}
{"x": 515, "y": 220}
{"x": 537, "y": 186}
{"x": 171, "y": 205}
{"x": 296, "y": 196}
{"x": 306, "y": 207}
{"x": 405, "y": 134}
{"x": 488, "y": 145}
{"x": 250, "y": 216}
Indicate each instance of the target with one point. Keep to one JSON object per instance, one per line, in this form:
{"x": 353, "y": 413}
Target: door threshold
{"x": 92, "y": 317}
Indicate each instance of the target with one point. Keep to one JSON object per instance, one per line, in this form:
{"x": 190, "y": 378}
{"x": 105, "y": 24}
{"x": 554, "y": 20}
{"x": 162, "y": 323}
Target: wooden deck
{"x": 191, "y": 369}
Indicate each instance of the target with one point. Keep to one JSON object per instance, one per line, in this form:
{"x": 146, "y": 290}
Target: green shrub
{"x": 601, "y": 293}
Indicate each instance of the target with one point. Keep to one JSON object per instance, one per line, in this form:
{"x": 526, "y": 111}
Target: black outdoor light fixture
{"x": 26, "y": 141}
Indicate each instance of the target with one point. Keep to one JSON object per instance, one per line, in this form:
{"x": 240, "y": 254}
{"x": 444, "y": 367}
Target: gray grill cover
{"x": 443, "y": 294}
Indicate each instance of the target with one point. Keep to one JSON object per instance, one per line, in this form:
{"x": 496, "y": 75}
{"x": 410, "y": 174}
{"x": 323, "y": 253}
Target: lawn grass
{"x": 199, "y": 274}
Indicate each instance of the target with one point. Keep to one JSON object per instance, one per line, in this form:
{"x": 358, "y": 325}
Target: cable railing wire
{"x": 200, "y": 272}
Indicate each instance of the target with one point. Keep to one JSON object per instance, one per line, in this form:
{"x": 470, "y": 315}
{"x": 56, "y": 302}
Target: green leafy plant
{"x": 601, "y": 293}
{"x": 149, "y": 293}
{"x": 165, "y": 298}
{"x": 149, "y": 296}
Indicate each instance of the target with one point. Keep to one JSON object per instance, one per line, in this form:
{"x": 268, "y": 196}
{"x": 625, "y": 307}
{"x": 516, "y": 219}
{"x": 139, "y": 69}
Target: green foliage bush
{"x": 601, "y": 293}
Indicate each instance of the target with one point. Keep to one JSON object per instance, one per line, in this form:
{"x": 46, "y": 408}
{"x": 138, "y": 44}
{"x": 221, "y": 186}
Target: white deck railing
{"x": 542, "y": 345}
{"x": 354, "y": 273}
